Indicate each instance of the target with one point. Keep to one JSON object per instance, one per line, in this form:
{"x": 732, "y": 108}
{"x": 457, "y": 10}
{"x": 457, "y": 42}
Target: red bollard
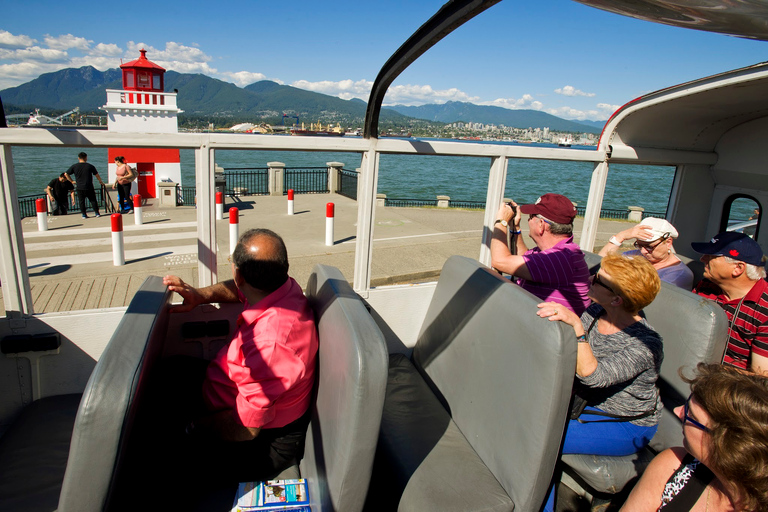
{"x": 41, "y": 207}
{"x": 219, "y": 205}
{"x": 329, "y": 210}
{"x": 137, "y": 215}
{"x": 234, "y": 228}
{"x": 118, "y": 249}
{"x": 290, "y": 201}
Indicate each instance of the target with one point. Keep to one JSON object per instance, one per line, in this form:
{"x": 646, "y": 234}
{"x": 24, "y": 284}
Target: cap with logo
{"x": 735, "y": 245}
{"x": 554, "y": 207}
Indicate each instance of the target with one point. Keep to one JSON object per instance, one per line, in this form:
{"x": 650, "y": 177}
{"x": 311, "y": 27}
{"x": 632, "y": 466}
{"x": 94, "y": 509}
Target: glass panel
{"x": 129, "y": 79}
{"x": 743, "y": 214}
{"x": 156, "y": 82}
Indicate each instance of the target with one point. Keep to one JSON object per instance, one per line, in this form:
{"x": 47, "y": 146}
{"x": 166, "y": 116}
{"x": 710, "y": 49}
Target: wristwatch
{"x": 615, "y": 241}
{"x": 502, "y": 222}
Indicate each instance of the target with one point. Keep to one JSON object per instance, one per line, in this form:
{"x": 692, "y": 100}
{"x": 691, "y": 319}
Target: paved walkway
{"x": 71, "y": 267}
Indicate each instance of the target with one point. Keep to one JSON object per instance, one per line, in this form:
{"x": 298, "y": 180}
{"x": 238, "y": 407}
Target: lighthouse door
{"x": 146, "y": 178}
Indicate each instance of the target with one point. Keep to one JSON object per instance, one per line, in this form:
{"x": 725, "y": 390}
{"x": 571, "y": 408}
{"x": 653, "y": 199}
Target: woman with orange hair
{"x": 617, "y": 363}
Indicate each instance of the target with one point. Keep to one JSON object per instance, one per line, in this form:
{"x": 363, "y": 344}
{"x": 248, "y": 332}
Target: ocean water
{"x": 404, "y": 176}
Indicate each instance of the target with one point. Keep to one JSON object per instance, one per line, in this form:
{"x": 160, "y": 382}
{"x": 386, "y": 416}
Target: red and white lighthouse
{"x": 142, "y": 107}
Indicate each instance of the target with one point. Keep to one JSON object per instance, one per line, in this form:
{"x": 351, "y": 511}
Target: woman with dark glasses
{"x": 723, "y": 464}
{"x": 617, "y": 363}
{"x": 653, "y": 240}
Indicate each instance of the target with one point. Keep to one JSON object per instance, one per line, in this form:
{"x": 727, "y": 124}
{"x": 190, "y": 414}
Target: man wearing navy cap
{"x": 734, "y": 277}
{"x": 553, "y": 270}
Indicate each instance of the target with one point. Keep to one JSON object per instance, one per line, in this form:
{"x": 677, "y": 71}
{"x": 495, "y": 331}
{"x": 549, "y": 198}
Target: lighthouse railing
{"x": 117, "y": 98}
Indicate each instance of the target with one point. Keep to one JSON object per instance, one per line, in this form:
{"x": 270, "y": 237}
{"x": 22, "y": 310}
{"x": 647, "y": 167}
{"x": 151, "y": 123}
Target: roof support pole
{"x": 366, "y": 219}
{"x": 496, "y": 185}
{"x": 594, "y": 205}
{"x": 13, "y": 258}
{"x": 206, "y": 217}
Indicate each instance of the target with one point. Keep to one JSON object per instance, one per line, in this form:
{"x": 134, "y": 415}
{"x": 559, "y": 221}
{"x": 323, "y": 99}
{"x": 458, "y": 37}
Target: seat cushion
{"x": 33, "y": 454}
{"x": 608, "y": 474}
{"x": 426, "y": 455}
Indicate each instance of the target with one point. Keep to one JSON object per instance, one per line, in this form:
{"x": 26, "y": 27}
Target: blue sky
{"x": 556, "y": 56}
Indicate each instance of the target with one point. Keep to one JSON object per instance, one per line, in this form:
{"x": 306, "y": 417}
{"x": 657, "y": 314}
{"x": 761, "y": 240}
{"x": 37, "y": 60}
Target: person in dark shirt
{"x": 84, "y": 173}
{"x": 57, "y": 191}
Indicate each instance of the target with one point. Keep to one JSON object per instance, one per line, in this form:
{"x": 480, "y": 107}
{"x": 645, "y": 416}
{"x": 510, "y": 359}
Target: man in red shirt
{"x": 734, "y": 277}
{"x": 258, "y": 388}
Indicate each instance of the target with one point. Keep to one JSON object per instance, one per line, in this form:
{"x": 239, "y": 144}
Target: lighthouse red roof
{"x": 142, "y": 62}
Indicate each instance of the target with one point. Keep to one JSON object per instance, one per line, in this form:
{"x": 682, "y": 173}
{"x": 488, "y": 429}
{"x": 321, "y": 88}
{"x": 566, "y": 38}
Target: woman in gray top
{"x": 618, "y": 361}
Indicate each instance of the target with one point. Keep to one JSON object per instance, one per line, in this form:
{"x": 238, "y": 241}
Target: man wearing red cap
{"x": 554, "y": 270}
{"x": 734, "y": 277}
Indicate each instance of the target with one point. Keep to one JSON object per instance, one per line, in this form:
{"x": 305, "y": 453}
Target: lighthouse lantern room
{"x": 142, "y": 106}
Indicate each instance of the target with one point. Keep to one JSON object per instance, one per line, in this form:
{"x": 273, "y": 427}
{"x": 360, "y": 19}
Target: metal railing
{"x": 606, "y": 213}
{"x": 27, "y": 206}
{"x": 306, "y": 180}
{"x": 252, "y": 181}
{"x": 186, "y": 196}
{"x": 417, "y": 203}
{"x": 347, "y": 183}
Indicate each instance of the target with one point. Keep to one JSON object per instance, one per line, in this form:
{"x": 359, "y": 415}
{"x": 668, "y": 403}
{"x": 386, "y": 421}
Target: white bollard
{"x": 234, "y": 228}
{"x": 118, "y": 249}
{"x": 329, "y": 224}
{"x": 290, "y": 201}
{"x": 42, "y": 214}
{"x": 219, "y": 205}
{"x": 138, "y": 218}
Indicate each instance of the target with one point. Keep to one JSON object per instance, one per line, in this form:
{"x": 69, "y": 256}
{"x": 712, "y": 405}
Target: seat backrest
{"x": 108, "y": 408}
{"x": 694, "y": 330}
{"x": 504, "y": 374}
{"x": 351, "y": 384}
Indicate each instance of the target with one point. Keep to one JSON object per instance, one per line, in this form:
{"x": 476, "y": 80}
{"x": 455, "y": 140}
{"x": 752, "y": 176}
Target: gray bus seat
{"x": 475, "y": 422}
{"x": 111, "y": 400}
{"x": 65, "y": 450}
{"x": 352, "y": 379}
{"x": 694, "y": 330}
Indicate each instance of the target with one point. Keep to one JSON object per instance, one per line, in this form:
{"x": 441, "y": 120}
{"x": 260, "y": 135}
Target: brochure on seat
{"x": 272, "y": 495}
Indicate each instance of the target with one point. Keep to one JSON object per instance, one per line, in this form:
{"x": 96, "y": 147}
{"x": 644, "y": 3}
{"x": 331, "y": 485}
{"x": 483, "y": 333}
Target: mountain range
{"x": 201, "y": 96}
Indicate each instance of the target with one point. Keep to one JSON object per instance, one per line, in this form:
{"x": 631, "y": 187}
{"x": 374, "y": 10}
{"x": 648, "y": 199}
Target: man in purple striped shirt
{"x": 554, "y": 270}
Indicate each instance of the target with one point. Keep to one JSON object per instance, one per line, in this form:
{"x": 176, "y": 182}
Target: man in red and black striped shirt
{"x": 734, "y": 277}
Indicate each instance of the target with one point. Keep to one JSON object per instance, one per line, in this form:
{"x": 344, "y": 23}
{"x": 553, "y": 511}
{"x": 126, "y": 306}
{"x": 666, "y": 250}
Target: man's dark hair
{"x": 263, "y": 274}
{"x": 63, "y": 175}
{"x": 82, "y": 155}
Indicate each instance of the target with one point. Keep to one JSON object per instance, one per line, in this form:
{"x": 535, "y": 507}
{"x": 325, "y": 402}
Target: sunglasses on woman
{"x": 688, "y": 419}
{"x": 596, "y": 281}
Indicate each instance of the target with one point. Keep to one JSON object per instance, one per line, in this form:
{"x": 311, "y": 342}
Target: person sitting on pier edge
{"x": 58, "y": 190}
{"x": 258, "y": 388}
{"x": 553, "y": 270}
{"x": 734, "y": 277}
{"x": 653, "y": 241}
{"x": 617, "y": 363}
{"x": 84, "y": 173}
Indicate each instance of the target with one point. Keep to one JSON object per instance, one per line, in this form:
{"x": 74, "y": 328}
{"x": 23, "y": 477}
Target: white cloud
{"x": 33, "y": 53}
{"x": 67, "y": 41}
{"x": 243, "y": 78}
{"x": 344, "y": 89}
{"x": 569, "y": 90}
{"x": 8, "y": 40}
{"x": 175, "y": 56}
{"x": 12, "y": 75}
{"x": 525, "y": 102}
{"x": 107, "y": 50}
{"x": 422, "y": 94}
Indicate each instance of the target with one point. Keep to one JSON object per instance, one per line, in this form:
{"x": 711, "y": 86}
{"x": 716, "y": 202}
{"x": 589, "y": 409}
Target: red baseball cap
{"x": 554, "y": 207}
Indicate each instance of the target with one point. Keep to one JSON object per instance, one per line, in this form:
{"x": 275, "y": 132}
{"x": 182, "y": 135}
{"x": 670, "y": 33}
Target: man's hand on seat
{"x": 191, "y": 296}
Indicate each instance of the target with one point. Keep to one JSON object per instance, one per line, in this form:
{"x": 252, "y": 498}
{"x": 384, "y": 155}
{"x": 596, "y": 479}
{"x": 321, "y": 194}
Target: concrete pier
{"x": 71, "y": 267}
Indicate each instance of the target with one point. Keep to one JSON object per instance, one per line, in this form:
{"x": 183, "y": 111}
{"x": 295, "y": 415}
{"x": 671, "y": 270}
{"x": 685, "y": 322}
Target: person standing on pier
{"x": 554, "y": 270}
{"x": 58, "y": 189}
{"x": 84, "y": 173}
